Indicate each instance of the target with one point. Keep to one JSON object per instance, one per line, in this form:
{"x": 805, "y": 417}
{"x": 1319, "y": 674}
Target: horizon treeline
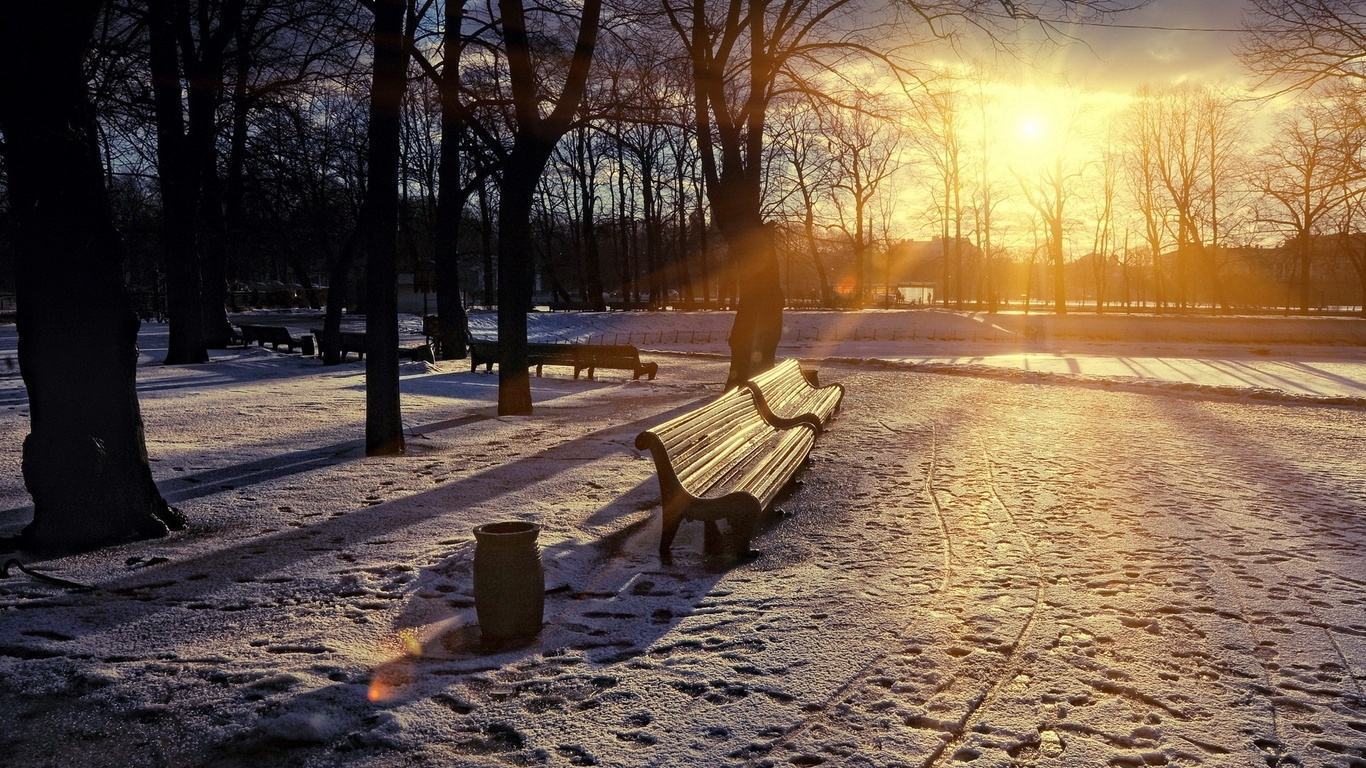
{"x": 1173, "y": 205}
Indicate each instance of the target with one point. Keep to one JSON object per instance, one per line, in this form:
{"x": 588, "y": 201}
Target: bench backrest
{"x": 565, "y": 354}
{"x": 270, "y": 333}
{"x": 611, "y": 356}
{"x": 782, "y": 383}
{"x": 702, "y": 444}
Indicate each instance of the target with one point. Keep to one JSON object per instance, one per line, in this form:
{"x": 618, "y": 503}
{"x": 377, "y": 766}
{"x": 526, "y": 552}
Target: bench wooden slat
{"x": 785, "y": 397}
{"x": 580, "y": 357}
{"x": 723, "y": 460}
{"x": 276, "y": 336}
{"x": 348, "y": 341}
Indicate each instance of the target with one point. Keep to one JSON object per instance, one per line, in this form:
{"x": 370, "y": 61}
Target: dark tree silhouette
{"x": 1301, "y": 43}
{"x": 534, "y": 139}
{"x": 379, "y": 226}
{"x": 177, "y": 175}
{"x": 85, "y": 460}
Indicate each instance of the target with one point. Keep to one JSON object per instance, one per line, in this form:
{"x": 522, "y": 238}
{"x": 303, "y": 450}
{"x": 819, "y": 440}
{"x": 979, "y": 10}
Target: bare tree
{"x": 811, "y": 172}
{"x": 939, "y": 137}
{"x": 1298, "y": 44}
{"x": 1048, "y": 190}
{"x": 85, "y": 459}
{"x": 1144, "y": 131}
{"x": 379, "y": 225}
{"x": 1102, "y": 242}
{"x": 534, "y": 137}
{"x": 863, "y": 145}
{"x": 1304, "y": 177}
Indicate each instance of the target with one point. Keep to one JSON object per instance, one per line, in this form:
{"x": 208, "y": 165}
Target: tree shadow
{"x": 250, "y": 559}
{"x": 473, "y": 385}
{"x": 233, "y": 477}
{"x": 609, "y": 601}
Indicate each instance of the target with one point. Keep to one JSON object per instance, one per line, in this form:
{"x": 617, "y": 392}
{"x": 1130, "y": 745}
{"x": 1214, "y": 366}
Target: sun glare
{"x": 1030, "y": 128}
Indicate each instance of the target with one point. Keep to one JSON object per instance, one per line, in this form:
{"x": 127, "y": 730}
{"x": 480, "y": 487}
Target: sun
{"x": 1031, "y": 128}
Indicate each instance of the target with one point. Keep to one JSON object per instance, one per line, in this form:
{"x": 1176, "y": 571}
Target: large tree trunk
{"x": 213, "y": 251}
{"x": 176, "y": 174}
{"x": 330, "y": 343}
{"x": 753, "y": 261}
{"x": 453, "y": 325}
{"x": 214, "y": 264}
{"x": 592, "y": 258}
{"x": 759, "y": 317}
{"x": 521, "y": 172}
{"x": 486, "y": 244}
{"x": 85, "y": 460}
{"x": 379, "y": 223}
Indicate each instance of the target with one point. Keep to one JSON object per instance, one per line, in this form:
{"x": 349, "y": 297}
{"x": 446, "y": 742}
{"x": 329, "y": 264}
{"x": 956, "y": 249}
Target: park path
{"x": 974, "y": 571}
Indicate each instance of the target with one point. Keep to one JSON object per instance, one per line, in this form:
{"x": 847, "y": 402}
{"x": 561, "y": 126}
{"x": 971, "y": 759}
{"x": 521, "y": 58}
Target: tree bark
{"x": 486, "y": 244}
{"x": 521, "y": 172}
{"x": 379, "y": 223}
{"x": 453, "y": 325}
{"x": 759, "y": 315}
{"x": 330, "y": 343}
{"x": 85, "y": 459}
{"x": 176, "y": 175}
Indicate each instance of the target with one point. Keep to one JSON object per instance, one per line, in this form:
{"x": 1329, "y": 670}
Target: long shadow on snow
{"x": 207, "y": 483}
{"x": 200, "y": 484}
{"x": 609, "y": 601}
{"x": 250, "y": 559}
{"x": 262, "y": 365}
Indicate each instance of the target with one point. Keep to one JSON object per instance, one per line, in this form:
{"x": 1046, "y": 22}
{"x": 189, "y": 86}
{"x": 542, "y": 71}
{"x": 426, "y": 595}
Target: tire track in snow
{"x": 862, "y": 674}
{"x": 1009, "y": 665}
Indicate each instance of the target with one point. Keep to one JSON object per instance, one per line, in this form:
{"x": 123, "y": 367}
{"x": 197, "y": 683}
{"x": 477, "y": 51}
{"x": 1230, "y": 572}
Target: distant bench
{"x": 580, "y": 357}
{"x": 620, "y": 357}
{"x": 723, "y": 460}
{"x": 276, "y": 336}
{"x": 354, "y": 341}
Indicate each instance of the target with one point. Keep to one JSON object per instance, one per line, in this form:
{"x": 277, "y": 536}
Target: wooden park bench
{"x": 485, "y": 353}
{"x": 276, "y": 336}
{"x": 347, "y": 341}
{"x": 623, "y": 357}
{"x": 354, "y": 341}
{"x": 786, "y": 396}
{"x": 723, "y": 460}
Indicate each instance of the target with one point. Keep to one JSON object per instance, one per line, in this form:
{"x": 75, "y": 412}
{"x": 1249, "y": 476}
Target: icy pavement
{"x": 974, "y": 571}
{"x": 1270, "y": 358}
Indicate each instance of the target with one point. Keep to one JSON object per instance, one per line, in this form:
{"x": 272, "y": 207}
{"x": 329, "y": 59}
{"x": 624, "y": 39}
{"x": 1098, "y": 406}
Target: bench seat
{"x": 349, "y": 341}
{"x": 723, "y": 461}
{"x": 276, "y": 336}
{"x": 618, "y": 357}
{"x": 580, "y": 357}
{"x": 786, "y": 397}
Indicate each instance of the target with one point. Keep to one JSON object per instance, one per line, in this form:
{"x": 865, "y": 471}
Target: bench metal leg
{"x": 711, "y": 538}
{"x": 743, "y": 527}
{"x": 671, "y": 521}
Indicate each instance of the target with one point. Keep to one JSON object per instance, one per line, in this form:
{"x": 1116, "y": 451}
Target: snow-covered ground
{"x": 994, "y": 571}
